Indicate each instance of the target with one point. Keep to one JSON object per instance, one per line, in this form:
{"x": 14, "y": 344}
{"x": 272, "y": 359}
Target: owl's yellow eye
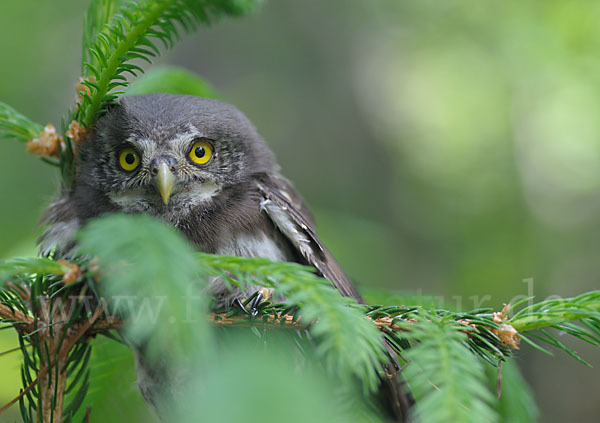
{"x": 129, "y": 159}
{"x": 201, "y": 153}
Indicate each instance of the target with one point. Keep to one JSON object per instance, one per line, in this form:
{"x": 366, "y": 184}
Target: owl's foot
{"x": 251, "y": 307}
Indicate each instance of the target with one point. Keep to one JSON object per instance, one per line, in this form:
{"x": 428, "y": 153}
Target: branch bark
{"x": 13, "y": 314}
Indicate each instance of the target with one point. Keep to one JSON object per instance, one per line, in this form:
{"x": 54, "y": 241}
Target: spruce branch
{"x": 346, "y": 341}
{"x": 18, "y": 397}
{"x": 32, "y": 265}
{"x": 16, "y": 126}
{"x": 562, "y": 315}
{"x": 98, "y": 16}
{"x": 130, "y": 34}
{"x": 490, "y": 335}
{"x": 111, "y": 52}
{"x": 554, "y": 312}
{"x": 447, "y": 381}
{"x": 15, "y": 317}
{"x": 46, "y": 304}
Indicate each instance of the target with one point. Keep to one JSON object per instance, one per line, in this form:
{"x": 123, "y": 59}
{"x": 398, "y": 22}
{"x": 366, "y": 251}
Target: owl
{"x": 201, "y": 166}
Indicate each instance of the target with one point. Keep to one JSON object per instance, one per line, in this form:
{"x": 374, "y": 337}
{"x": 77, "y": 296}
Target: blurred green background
{"x": 447, "y": 148}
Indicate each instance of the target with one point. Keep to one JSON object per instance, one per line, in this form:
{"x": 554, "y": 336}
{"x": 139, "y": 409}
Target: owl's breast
{"x": 270, "y": 245}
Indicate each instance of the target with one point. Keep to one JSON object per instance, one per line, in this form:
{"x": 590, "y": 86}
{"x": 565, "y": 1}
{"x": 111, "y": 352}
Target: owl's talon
{"x": 238, "y": 303}
{"x": 250, "y": 305}
{"x": 255, "y": 302}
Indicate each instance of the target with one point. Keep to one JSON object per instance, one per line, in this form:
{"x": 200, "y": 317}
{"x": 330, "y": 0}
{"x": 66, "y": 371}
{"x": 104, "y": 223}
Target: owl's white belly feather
{"x": 245, "y": 245}
{"x": 255, "y": 245}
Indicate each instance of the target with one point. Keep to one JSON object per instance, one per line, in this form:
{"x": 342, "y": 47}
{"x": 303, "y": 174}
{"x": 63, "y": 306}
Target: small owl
{"x": 201, "y": 166}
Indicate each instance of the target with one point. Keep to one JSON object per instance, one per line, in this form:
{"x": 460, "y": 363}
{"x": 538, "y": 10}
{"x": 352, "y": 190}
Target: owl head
{"x": 158, "y": 153}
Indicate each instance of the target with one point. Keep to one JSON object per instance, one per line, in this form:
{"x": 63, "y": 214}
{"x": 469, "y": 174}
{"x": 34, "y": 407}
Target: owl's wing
{"x": 289, "y": 214}
{"x": 62, "y": 224}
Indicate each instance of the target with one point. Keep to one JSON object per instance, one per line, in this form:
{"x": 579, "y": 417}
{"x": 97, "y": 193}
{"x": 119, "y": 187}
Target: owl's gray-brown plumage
{"x": 236, "y": 203}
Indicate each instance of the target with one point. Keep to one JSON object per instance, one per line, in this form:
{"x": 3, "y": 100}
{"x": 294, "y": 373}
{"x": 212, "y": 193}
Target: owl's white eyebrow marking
{"x": 182, "y": 141}
{"x": 145, "y": 147}
{"x": 149, "y": 147}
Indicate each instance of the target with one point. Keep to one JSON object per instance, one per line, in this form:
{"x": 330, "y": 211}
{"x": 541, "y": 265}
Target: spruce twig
{"x": 14, "y": 125}
{"x": 18, "y": 397}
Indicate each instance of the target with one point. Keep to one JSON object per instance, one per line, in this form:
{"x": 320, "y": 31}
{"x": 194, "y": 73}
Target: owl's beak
{"x": 164, "y": 181}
